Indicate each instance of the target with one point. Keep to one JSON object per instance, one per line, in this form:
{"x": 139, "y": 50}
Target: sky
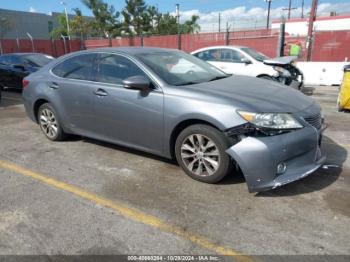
{"x": 238, "y": 13}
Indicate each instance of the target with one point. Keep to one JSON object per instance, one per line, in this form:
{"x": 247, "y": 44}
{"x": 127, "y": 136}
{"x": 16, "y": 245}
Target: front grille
{"x": 315, "y": 120}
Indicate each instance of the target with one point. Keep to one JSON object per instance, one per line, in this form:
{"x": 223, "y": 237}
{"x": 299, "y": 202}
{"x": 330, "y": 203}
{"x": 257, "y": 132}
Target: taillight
{"x": 25, "y": 83}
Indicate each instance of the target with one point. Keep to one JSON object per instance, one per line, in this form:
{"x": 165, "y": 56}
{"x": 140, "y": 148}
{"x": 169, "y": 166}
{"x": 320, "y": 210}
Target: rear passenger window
{"x": 114, "y": 69}
{"x": 77, "y": 67}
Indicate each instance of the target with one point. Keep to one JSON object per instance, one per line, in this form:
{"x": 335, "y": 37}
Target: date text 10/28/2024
{"x": 173, "y": 258}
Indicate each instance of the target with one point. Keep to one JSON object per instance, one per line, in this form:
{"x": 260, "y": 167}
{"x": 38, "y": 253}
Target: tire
{"x": 193, "y": 155}
{"x": 49, "y": 123}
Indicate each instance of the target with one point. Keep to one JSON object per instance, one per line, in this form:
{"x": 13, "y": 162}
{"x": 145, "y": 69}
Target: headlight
{"x": 282, "y": 71}
{"x": 271, "y": 120}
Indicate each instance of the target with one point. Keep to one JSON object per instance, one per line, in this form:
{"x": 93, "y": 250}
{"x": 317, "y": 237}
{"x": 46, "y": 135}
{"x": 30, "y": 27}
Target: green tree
{"x": 81, "y": 26}
{"x": 61, "y": 29}
{"x": 137, "y": 17}
{"x": 106, "y": 18}
{"x": 167, "y": 25}
{"x": 191, "y": 26}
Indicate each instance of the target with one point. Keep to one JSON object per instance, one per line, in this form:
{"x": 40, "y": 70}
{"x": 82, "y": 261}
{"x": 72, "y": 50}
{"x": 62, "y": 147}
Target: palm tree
{"x": 191, "y": 26}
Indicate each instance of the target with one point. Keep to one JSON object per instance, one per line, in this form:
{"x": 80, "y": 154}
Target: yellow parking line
{"x": 128, "y": 212}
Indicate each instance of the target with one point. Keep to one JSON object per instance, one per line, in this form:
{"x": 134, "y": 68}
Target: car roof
{"x": 219, "y": 46}
{"x": 133, "y": 50}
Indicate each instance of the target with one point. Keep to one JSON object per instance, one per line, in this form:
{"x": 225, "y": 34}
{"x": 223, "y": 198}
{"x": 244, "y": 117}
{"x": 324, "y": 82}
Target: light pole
{"x": 67, "y": 20}
{"x": 178, "y": 26}
{"x": 268, "y": 13}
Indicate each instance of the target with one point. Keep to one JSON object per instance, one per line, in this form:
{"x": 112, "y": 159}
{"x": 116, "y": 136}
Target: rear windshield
{"x": 37, "y": 59}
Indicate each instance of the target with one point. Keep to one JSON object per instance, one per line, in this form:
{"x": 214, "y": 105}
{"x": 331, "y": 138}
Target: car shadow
{"x": 322, "y": 178}
{"x": 11, "y": 97}
{"x": 124, "y": 149}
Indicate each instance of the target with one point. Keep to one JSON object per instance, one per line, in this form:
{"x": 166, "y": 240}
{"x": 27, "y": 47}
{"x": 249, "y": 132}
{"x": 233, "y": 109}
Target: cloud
{"x": 32, "y": 10}
{"x": 241, "y": 17}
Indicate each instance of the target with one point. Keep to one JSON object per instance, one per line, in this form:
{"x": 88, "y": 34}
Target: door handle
{"x": 54, "y": 86}
{"x": 100, "y": 92}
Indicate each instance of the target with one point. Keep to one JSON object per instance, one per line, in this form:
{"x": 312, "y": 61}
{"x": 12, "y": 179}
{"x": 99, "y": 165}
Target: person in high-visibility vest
{"x": 295, "y": 49}
{"x": 344, "y": 93}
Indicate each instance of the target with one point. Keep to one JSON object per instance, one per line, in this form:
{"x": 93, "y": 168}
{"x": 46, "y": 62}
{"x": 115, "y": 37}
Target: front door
{"x": 130, "y": 117}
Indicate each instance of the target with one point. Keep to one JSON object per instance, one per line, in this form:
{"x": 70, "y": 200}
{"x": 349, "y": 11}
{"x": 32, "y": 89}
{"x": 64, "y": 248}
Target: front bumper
{"x": 258, "y": 157}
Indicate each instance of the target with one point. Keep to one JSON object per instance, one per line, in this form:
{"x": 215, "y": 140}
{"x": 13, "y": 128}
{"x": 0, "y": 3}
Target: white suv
{"x": 240, "y": 60}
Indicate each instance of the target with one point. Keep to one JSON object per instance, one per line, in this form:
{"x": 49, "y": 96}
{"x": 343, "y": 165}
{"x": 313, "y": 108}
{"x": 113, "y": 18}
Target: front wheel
{"x": 200, "y": 151}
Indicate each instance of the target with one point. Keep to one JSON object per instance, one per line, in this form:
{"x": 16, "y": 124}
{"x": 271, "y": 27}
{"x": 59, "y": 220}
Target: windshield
{"x": 178, "y": 68}
{"x": 37, "y": 60}
{"x": 255, "y": 54}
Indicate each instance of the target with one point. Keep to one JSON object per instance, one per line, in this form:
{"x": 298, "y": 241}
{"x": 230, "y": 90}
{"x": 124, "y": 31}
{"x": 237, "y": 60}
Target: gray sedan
{"x": 172, "y": 104}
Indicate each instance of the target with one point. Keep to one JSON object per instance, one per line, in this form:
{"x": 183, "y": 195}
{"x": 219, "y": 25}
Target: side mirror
{"x": 137, "y": 82}
{"x": 246, "y": 61}
{"x": 22, "y": 67}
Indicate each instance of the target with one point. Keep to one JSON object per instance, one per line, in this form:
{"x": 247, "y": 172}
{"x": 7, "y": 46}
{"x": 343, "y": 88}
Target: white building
{"x": 299, "y": 26}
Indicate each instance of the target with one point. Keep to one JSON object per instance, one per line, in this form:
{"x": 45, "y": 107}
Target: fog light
{"x": 281, "y": 168}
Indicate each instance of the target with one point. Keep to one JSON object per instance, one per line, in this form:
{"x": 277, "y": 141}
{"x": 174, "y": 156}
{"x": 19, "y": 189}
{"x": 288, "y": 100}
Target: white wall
{"x": 322, "y": 73}
{"x": 300, "y": 28}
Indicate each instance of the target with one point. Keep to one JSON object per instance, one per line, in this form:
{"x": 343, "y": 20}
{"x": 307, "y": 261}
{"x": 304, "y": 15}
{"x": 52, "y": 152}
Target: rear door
{"x": 71, "y": 84}
{"x": 5, "y": 71}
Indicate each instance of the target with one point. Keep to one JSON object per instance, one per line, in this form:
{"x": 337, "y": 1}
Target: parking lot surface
{"x": 152, "y": 207}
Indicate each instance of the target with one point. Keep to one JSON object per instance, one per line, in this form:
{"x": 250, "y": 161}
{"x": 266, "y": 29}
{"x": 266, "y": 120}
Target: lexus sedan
{"x": 172, "y": 104}
{"x": 15, "y": 66}
{"x": 241, "y": 60}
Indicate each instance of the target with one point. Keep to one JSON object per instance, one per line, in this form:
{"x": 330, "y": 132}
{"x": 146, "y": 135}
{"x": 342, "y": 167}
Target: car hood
{"x": 283, "y": 60}
{"x": 250, "y": 93}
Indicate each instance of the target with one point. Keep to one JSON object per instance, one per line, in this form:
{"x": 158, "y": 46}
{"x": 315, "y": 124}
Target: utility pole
{"x": 302, "y": 9}
{"x": 178, "y": 26}
{"x": 227, "y": 34}
{"x": 268, "y": 13}
{"x": 290, "y": 8}
{"x": 219, "y": 22}
{"x": 311, "y": 28}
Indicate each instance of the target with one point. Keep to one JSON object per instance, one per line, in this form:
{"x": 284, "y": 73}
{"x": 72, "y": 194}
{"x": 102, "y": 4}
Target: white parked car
{"x": 241, "y": 60}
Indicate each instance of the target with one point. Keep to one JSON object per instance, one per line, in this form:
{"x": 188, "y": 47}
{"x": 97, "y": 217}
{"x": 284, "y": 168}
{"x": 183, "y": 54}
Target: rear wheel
{"x": 49, "y": 123}
{"x": 200, "y": 151}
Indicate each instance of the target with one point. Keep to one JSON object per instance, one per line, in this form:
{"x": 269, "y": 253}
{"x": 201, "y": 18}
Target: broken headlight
{"x": 275, "y": 121}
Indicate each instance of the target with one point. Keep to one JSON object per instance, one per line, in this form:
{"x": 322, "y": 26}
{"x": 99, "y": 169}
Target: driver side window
{"x": 233, "y": 56}
{"x": 113, "y": 69}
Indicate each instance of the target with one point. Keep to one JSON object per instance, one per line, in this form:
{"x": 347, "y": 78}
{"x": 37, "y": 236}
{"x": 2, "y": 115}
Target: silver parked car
{"x": 175, "y": 105}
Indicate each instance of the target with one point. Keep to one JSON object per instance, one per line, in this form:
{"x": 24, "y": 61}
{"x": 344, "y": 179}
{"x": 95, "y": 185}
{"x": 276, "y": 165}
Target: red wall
{"x": 54, "y": 48}
{"x": 328, "y": 46}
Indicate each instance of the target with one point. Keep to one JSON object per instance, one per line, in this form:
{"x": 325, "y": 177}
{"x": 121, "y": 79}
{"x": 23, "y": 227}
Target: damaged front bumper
{"x": 259, "y": 158}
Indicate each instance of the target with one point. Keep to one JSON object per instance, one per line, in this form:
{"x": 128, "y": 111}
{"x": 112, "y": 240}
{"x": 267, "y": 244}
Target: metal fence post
{"x": 280, "y": 45}
{"x": 64, "y": 44}
{"x": 31, "y": 39}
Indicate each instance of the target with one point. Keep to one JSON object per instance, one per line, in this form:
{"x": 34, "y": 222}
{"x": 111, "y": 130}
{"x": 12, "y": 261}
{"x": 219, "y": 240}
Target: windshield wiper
{"x": 186, "y": 83}
{"x": 219, "y": 77}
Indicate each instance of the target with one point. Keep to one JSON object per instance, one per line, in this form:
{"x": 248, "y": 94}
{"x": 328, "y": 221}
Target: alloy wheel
{"x": 200, "y": 155}
{"x": 48, "y": 123}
